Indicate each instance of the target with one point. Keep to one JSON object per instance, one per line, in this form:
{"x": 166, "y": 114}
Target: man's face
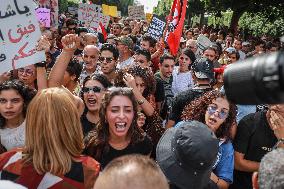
{"x": 90, "y": 40}
{"x": 189, "y": 35}
{"x": 145, "y": 45}
{"x": 237, "y": 45}
{"x": 90, "y": 57}
{"x": 121, "y": 47}
{"x": 210, "y": 54}
{"x": 108, "y": 63}
{"x": 141, "y": 60}
{"x": 71, "y": 29}
{"x": 116, "y": 29}
{"x": 167, "y": 67}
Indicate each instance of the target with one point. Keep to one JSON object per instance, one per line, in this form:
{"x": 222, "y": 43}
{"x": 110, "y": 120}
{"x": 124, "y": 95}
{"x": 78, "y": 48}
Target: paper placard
{"x": 136, "y": 12}
{"x": 43, "y": 16}
{"x": 156, "y": 27}
{"x": 19, "y": 33}
{"x": 92, "y": 15}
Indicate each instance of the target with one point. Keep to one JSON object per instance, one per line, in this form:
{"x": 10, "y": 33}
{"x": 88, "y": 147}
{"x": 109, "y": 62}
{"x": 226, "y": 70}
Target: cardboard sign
{"x": 136, "y": 12}
{"x": 19, "y": 32}
{"x": 156, "y": 27}
{"x": 43, "y": 16}
{"x": 202, "y": 43}
{"x": 92, "y": 15}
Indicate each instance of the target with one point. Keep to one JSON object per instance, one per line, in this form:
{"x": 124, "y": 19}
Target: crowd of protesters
{"x": 119, "y": 111}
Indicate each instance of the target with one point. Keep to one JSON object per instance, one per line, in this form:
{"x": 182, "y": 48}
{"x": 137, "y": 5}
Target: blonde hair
{"x": 132, "y": 171}
{"x": 53, "y": 132}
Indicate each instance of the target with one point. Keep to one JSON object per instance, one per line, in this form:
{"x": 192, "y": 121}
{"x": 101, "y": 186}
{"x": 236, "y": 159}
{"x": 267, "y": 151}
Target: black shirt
{"x": 87, "y": 126}
{"x": 183, "y": 99}
{"x": 143, "y": 147}
{"x": 254, "y": 138}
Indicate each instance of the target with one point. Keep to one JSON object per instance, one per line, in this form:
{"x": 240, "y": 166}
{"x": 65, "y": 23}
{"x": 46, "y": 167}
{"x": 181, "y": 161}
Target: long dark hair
{"x": 23, "y": 90}
{"x": 145, "y": 73}
{"x": 99, "y": 144}
{"x": 196, "y": 110}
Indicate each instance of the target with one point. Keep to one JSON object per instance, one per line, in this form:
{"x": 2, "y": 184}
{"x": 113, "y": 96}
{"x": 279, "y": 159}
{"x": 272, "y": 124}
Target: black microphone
{"x": 257, "y": 80}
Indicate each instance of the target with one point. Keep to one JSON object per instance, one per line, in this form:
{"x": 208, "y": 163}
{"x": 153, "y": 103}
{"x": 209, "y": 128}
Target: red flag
{"x": 103, "y": 31}
{"x": 178, "y": 10}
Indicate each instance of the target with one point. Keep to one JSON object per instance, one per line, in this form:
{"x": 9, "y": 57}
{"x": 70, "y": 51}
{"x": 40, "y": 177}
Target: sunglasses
{"x": 71, "y": 28}
{"x": 95, "y": 89}
{"x": 107, "y": 59}
{"x": 27, "y": 71}
{"x": 221, "y": 114}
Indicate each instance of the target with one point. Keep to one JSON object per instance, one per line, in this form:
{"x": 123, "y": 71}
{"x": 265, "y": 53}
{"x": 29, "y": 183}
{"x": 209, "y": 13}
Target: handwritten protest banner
{"x": 43, "y": 16}
{"x": 92, "y": 15}
{"x": 19, "y": 32}
{"x": 156, "y": 27}
{"x": 54, "y": 9}
{"x": 136, "y": 12}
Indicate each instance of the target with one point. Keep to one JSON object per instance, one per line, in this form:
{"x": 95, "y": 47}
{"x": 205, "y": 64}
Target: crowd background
{"x": 126, "y": 94}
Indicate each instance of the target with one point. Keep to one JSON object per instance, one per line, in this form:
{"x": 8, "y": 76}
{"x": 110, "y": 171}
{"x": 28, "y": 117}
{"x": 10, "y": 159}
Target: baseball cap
{"x": 186, "y": 154}
{"x": 245, "y": 43}
{"x": 203, "y": 68}
{"x": 125, "y": 41}
{"x": 230, "y": 50}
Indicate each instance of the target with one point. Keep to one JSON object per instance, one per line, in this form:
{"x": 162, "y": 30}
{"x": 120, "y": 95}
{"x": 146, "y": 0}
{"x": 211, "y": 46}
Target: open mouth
{"x": 92, "y": 101}
{"x": 212, "y": 120}
{"x": 120, "y": 126}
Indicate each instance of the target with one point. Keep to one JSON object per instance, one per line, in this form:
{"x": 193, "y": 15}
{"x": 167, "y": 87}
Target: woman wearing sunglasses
{"x": 214, "y": 110}
{"x": 118, "y": 133}
{"x": 92, "y": 91}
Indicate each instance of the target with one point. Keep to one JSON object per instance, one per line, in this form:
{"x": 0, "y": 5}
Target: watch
{"x": 140, "y": 102}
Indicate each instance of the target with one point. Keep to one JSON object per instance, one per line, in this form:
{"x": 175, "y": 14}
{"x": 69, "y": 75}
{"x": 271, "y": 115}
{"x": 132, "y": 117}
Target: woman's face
{"x": 11, "y": 104}
{"x": 140, "y": 84}
{"x": 119, "y": 115}
{"x": 92, "y": 94}
{"x": 184, "y": 62}
{"x": 27, "y": 74}
{"x": 216, "y": 114}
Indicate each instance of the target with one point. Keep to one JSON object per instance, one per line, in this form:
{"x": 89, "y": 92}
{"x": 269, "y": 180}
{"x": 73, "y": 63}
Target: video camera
{"x": 257, "y": 80}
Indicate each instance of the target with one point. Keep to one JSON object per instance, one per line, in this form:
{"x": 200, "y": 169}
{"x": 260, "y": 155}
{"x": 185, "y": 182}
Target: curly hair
{"x": 145, "y": 73}
{"x": 99, "y": 143}
{"x": 23, "y": 90}
{"x": 197, "y": 108}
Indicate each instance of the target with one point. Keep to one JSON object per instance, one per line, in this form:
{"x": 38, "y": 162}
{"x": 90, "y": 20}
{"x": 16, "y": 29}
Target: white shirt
{"x": 181, "y": 81}
{"x": 125, "y": 63}
{"x": 13, "y": 138}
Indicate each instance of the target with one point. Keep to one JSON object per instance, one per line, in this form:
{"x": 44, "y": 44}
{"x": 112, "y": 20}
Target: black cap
{"x": 186, "y": 154}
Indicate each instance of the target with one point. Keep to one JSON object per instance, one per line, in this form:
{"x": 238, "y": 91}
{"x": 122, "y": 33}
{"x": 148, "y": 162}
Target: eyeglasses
{"x": 107, "y": 59}
{"x": 95, "y": 89}
{"x": 29, "y": 72}
{"x": 221, "y": 114}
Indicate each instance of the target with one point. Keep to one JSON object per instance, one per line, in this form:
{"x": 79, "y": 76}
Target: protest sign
{"x": 202, "y": 43}
{"x": 109, "y": 10}
{"x": 156, "y": 27}
{"x": 149, "y": 17}
{"x": 92, "y": 15}
{"x": 136, "y": 12}
{"x": 53, "y": 6}
{"x": 19, "y": 32}
{"x": 43, "y": 16}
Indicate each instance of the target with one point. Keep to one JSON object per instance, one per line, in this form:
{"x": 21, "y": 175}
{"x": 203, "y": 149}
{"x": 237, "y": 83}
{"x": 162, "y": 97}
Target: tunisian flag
{"x": 176, "y": 25}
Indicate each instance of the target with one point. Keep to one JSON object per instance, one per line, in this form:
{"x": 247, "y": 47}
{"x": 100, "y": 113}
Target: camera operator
{"x": 257, "y": 134}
